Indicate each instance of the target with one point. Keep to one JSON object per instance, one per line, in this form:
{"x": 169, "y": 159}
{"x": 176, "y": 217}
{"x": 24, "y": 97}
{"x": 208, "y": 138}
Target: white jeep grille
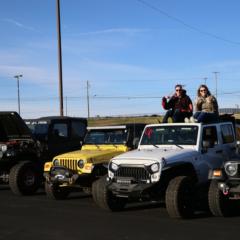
{"x": 138, "y": 173}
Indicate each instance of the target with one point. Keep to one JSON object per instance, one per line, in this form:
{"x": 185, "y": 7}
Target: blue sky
{"x": 132, "y": 52}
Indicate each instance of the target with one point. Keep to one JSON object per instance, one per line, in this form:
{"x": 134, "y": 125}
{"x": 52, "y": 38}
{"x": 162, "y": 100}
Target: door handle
{"x": 219, "y": 151}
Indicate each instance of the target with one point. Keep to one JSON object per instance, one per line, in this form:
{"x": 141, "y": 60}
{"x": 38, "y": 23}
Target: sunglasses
{"x": 202, "y": 90}
{"x": 178, "y": 90}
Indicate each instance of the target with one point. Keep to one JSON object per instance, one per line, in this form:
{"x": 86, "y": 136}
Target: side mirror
{"x": 205, "y": 146}
{"x": 136, "y": 142}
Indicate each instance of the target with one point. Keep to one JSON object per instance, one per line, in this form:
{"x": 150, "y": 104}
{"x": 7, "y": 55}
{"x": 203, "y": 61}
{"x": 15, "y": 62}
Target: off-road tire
{"x": 25, "y": 178}
{"x": 219, "y": 204}
{"x": 104, "y": 198}
{"x": 179, "y": 197}
{"x": 55, "y": 192}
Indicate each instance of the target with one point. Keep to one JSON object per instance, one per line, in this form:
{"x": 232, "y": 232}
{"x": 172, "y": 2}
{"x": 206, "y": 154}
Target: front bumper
{"x": 129, "y": 188}
{"x": 61, "y": 176}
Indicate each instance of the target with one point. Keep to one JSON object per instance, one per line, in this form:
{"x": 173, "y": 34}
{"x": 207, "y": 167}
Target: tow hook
{"x": 225, "y": 188}
{"x": 226, "y": 191}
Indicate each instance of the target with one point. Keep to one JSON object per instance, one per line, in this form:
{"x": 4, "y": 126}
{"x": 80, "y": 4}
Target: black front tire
{"x": 55, "y": 192}
{"x": 25, "y": 178}
{"x": 104, "y": 198}
{"x": 219, "y": 204}
{"x": 180, "y": 197}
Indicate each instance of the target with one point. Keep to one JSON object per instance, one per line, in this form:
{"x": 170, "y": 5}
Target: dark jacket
{"x": 183, "y": 103}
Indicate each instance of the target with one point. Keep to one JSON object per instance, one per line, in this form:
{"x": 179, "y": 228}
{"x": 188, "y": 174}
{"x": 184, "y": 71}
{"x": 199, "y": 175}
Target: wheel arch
{"x": 180, "y": 169}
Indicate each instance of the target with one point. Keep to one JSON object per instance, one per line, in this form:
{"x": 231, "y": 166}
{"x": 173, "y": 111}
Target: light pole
{"x": 59, "y": 57}
{"x": 18, "y": 92}
{"x": 216, "y": 73}
{"x": 88, "y": 104}
{"x": 205, "y": 80}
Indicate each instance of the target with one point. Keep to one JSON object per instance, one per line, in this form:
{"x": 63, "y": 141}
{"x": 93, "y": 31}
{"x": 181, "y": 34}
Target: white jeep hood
{"x": 149, "y": 156}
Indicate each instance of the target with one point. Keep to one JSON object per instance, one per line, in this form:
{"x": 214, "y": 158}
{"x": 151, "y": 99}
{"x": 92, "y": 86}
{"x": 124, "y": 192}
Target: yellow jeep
{"x": 79, "y": 169}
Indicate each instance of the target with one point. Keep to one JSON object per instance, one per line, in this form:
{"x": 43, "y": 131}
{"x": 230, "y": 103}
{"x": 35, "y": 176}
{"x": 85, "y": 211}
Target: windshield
{"x": 170, "y": 135}
{"x": 106, "y": 136}
{"x": 38, "y": 128}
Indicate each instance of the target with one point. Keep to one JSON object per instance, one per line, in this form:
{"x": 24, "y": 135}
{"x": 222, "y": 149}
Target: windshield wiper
{"x": 178, "y": 146}
{"x": 156, "y": 146}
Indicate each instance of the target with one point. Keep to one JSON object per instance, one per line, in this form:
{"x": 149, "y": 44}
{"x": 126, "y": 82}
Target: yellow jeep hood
{"x": 94, "y": 153}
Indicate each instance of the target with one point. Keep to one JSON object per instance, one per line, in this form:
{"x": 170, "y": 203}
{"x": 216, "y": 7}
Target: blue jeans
{"x": 176, "y": 116}
{"x": 206, "y": 117}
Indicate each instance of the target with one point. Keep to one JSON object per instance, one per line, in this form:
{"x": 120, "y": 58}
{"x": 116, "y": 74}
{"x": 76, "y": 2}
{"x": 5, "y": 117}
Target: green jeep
{"x": 79, "y": 169}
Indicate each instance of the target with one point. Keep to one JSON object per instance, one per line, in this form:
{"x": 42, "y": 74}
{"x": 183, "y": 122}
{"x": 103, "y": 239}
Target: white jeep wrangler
{"x": 171, "y": 163}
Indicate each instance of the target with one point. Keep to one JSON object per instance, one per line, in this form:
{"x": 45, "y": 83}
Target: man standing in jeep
{"x": 179, "y": 106}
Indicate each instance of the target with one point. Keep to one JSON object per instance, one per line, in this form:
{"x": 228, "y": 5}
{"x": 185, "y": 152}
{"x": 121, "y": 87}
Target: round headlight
{"x": 56, "y": 162}
{"x": 154, "y": 167}
{"x": 4, "y": 148}
{"x": 114, "y": 166}
{"x": 80, "y": 163}
{"x": 231, "y": 169}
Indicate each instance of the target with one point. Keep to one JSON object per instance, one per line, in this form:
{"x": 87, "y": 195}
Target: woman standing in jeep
{"x": 206, "y": 106}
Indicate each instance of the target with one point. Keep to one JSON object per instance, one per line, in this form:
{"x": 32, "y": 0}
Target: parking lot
{"x": 37, "y": 217}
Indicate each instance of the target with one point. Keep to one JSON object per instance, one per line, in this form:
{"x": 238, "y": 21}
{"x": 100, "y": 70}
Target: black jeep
{"x": 20, "y": 162}
{"x": 22, "y": 156}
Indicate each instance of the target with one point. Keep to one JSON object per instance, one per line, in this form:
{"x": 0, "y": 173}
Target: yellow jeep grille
{"x": 69, "y": 163}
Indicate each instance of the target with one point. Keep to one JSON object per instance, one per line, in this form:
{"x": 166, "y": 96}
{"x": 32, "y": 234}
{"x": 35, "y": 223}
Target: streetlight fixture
{"x": 18, "y": 92}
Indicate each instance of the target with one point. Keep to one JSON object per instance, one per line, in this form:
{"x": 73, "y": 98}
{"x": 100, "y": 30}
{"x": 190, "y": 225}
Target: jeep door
{"x": 211, "y": 152}
{"x": 77, "y": 134}
{"x": 66, "y": 135}
{"x": 228, "y": 140}
{"x": 59, "y": 137}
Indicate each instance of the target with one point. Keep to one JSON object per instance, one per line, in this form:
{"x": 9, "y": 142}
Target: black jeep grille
{"x": 69, "y": 163}
{"x": 139, "y": 173}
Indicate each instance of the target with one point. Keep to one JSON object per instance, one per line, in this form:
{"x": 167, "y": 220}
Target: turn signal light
{"x": 217, "y": 173}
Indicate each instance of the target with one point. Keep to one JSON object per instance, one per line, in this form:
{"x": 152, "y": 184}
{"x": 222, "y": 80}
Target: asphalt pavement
{"x": 38, "y": 218}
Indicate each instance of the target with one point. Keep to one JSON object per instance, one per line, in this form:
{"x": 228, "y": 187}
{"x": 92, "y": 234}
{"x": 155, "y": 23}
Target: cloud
{"x": 30, "y": 73}
{"x": 19, "y": 25}
{"x": 129, "y": 31}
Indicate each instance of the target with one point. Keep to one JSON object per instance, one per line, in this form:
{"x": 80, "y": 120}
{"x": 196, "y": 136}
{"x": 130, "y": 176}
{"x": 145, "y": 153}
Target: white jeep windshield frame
{"x": 170, "y": 134}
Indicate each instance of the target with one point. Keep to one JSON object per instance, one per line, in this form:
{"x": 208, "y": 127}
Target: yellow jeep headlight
{"x": 56, "y": 162}
{"x": 80, "y": 163}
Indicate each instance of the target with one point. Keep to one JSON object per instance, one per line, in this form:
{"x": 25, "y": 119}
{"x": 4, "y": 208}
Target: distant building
{"x": 229, "y": 110}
